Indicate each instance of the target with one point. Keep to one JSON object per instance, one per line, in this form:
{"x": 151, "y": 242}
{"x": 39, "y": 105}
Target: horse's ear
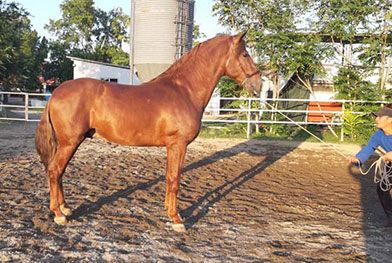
{"x": 240, "y": 36}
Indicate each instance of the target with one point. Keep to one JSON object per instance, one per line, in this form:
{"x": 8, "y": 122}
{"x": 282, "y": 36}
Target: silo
{"x": 162, "y": 32}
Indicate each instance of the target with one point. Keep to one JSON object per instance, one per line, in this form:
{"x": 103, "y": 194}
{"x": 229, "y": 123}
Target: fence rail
{"x": 21, "y": 106}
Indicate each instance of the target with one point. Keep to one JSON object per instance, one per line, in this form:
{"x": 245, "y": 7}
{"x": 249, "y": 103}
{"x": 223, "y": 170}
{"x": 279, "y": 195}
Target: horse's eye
{"x": 245, "y": 54}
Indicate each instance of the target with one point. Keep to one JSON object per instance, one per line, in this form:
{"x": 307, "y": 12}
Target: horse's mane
{"x": 177, "y": 66}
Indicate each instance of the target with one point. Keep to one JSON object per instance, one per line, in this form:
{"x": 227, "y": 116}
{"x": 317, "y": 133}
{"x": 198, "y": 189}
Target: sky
{"x": 43, "y": 10}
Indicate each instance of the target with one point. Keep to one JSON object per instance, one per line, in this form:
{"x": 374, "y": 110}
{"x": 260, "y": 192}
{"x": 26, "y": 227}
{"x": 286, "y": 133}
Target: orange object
{"x": 325, "y": 106}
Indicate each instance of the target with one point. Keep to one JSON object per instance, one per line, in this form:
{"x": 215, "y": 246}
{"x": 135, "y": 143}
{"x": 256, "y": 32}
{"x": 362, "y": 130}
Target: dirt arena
{"x": 242, "y": 201}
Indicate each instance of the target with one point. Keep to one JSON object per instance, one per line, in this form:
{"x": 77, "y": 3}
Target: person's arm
{"x": 366, "y": 151}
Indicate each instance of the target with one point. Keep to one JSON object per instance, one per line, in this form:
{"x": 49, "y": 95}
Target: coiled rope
{"x": 382, "y": 173}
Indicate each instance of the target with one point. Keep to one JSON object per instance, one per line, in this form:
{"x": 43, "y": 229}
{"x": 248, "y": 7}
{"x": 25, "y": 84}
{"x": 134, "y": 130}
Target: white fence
{"x": 21, "y": 106}
{"x": 258, "y": 112}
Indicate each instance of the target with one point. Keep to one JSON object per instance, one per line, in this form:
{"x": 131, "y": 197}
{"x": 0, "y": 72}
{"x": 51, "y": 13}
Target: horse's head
{"x": 240, "y": 66}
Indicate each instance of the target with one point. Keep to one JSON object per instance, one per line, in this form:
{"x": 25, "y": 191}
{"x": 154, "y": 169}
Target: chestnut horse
{"x": 165, "y": 111}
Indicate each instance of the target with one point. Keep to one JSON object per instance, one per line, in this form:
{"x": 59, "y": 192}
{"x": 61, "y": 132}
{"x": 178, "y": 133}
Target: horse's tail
{"x": 45, "y": 138}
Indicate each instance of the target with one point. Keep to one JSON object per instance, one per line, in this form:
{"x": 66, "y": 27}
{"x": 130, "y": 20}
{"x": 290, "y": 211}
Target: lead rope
{"x": 382, "y": 172}
{"x": 320, "y": 140}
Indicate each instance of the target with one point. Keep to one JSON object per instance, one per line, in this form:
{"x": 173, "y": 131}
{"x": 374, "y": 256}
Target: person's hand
{"x": 355, "y": 160}
{"x": 387, "y": 157}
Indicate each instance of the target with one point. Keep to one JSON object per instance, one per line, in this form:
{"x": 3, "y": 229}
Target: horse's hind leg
{"x": 56, "y": 169}
{"x": 63, "y": 205}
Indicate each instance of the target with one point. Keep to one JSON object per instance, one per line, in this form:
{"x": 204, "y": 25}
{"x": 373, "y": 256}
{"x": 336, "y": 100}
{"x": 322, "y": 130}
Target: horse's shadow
{"x": 204, "y": 202}
{"x": 88, "y": 208}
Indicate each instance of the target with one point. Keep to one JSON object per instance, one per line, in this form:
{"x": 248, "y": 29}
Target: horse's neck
{"x": 201, "y": 77}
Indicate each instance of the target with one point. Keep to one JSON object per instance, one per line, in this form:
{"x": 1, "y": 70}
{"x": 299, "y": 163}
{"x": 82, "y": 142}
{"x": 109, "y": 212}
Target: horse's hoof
{"x": 65, "y": 210}
{"x": 60, "y": 220}
{"x": 179, "y": 228}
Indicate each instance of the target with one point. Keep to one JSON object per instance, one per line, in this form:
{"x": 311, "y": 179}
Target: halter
{"x": 248, "y": 76}
{"x": 252, "y": 74}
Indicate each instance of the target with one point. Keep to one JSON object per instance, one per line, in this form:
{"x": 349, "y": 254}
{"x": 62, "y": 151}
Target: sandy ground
{"x": 242, "y": 201}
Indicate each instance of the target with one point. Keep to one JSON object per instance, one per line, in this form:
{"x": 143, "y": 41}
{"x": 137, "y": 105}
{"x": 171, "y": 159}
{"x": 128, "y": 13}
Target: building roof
{"x": 97, "y": 62}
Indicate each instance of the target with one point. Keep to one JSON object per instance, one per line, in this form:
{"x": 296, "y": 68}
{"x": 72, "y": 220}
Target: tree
{"x": 290, "y": 35}
{"x": 95, "y": 33}
{"x": 23, "y": 52}
{"x": 110, "y": 34}
{"x": 86, "y": 32}
{"x": 370, "y": 19}
{"x": 197, "y": 35}
{"x": 76, "y": 25}
{"x": 59, "y": 67}
{"x": 351, "y": 85}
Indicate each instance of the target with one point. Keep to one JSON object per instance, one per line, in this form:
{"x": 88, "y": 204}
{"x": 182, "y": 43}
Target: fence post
{"x": 26, "y": 106}
{"x": 249, "y": 118}
{"x": 341, "y": 127}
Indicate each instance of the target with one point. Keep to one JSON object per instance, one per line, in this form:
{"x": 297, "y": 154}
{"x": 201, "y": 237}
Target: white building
{"x": 84, "y": 68}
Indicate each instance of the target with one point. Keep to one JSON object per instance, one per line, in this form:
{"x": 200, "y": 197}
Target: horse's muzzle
{"x": 254, "y": 87}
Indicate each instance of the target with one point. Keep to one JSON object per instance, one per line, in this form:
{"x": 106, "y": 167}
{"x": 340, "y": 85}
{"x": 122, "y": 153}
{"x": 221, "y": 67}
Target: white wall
{"x": 83, "y": 69}
{"x": 323, "y": 95}
{"x": 213, "y": 105}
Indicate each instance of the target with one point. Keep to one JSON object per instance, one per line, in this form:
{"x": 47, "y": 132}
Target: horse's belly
{"x": 131, "y": 138}
{"x": 142, "y": 127}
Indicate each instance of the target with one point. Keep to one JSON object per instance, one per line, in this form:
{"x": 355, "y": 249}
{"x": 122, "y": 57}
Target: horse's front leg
{"x": 175, "y": 160}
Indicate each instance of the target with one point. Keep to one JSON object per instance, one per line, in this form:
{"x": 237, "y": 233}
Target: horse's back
{"x": 78, "y": 87}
